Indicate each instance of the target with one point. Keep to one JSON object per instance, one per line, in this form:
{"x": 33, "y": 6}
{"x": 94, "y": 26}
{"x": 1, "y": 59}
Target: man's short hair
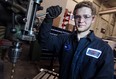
{"x": 85, "y": 4}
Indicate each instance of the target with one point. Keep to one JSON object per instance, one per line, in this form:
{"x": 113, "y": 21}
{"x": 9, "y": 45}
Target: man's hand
{"x": 53, "y": 12}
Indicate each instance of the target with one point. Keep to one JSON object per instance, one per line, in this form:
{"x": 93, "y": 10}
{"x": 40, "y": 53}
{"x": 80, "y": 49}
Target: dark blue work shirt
{"x": 89, "y": 58}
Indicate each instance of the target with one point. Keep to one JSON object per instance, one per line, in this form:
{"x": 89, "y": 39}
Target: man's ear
{"x": 93, "y": 18}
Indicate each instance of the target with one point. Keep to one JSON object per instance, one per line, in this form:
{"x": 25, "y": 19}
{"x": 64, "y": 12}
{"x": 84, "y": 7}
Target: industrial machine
{"x": 19, "y": 18}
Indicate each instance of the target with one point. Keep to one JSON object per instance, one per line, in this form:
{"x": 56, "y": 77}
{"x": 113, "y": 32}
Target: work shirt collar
{"x": 91, "y": 35}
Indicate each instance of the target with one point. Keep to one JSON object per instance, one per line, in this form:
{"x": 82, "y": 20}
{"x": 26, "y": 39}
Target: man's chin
{"x": 81, "y": 30}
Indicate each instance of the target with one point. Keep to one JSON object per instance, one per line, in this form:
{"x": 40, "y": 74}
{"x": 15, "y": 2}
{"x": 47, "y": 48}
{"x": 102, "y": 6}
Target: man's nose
{"x": 82, "y": 19}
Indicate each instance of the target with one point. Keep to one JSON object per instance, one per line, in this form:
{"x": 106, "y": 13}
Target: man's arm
{"x": 44, "y": 34}
{"x": 106, "y": 66}
{"x": 44, "y": 37}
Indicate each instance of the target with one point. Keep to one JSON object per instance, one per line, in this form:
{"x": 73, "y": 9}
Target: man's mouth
{"x": 81, "y": 25}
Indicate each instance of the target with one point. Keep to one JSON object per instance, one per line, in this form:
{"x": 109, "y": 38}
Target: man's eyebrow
{"x": 84, "y": 14}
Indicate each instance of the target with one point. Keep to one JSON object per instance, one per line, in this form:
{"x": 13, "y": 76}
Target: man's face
{"x": 83, "y": 19}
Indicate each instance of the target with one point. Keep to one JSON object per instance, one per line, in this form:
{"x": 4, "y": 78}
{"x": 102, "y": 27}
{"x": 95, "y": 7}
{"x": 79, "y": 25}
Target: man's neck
{"x": 82, "y": 34}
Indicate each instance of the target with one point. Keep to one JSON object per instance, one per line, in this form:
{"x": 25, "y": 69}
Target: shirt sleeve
{"x": 106, "y": 65}
{"x": 48, "y": 41}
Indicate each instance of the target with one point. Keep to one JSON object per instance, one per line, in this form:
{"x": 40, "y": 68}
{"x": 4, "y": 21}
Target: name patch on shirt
{"x": 93, "y": 52}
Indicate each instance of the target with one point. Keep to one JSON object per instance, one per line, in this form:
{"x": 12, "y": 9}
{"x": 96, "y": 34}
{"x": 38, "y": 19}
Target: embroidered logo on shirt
{"x": 93, "y": 52}
{"x": 67, "y": 47}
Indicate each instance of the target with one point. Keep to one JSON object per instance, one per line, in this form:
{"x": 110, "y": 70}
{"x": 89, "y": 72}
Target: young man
{"x": 82, "y": 55}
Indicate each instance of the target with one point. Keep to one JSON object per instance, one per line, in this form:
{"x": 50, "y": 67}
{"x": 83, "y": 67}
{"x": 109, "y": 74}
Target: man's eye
{"x": 77, "y": 17}
{"x": 86, "y": 16}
